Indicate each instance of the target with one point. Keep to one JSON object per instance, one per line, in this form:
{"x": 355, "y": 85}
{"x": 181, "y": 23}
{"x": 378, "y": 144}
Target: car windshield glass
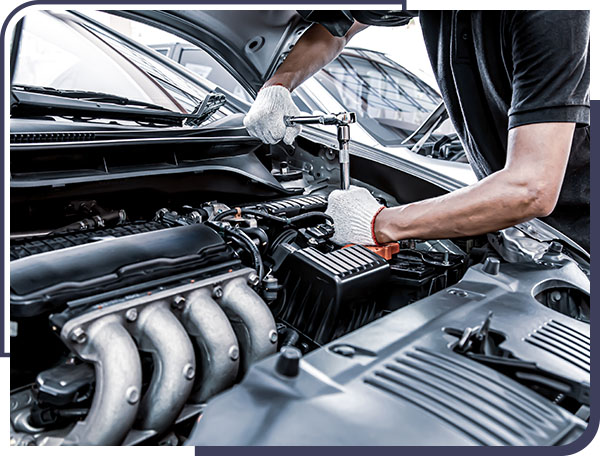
{"x": 389, "y": 101}
{"x": 60, "y": 51}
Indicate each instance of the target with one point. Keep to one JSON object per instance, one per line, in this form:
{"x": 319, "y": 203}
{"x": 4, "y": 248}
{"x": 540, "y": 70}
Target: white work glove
{"x": 353, "y": 212}
{"x": 265, "y": 118}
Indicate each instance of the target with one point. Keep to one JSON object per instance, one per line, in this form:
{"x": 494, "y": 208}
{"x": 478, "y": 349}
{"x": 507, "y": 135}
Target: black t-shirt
{"x": 501, "y": 69}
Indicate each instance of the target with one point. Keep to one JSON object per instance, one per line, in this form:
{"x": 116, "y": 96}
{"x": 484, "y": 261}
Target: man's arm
{"x": 315, "y": 49}
{"x": 527, "y": 187}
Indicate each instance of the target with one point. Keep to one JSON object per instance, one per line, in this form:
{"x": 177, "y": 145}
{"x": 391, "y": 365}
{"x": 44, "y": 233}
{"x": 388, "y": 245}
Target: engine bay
{"x": 114, "y": 290}
{"x": 135, "y": 308}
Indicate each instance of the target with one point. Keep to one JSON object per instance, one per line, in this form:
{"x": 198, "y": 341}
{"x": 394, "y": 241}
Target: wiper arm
{"x": 482, "y": 344}
{"x": 88, "y": 95}
{"x": 32, "y": 103}
{"x": 429, "y": 125}
{"x": 530, "y": 372}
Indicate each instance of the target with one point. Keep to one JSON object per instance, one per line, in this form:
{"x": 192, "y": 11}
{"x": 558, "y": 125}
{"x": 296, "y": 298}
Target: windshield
{"x": 389, "y": 101}
{"x": 63, "y": 52}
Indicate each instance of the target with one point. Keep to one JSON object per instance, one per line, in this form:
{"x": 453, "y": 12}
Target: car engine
{"x": 123, "y": 330}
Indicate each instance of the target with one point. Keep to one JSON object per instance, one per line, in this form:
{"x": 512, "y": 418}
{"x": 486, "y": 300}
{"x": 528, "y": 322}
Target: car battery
{"x": 329, "y": 294}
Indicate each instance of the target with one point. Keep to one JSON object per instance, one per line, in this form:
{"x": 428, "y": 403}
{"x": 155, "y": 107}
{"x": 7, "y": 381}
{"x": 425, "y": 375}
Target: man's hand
{"x": 265, "y": 118}
{"x": 353, "y": 212}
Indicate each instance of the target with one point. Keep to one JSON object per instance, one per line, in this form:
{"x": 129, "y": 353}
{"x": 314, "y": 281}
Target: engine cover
{"x": 44, "y": 282}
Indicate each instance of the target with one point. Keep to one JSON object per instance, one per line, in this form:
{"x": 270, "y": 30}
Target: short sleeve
{"x": 551, "y": 68}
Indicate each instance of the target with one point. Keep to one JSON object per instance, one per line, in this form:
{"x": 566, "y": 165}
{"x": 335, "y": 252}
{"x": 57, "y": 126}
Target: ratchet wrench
{"x": 342, "y": 121}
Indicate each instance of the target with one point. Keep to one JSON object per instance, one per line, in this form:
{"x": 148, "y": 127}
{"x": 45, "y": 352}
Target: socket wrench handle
{"x": 341, "y": 118}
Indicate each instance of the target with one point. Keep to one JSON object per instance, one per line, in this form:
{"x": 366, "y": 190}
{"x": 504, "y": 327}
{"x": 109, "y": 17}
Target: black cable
{"x": 229, "y": 212}
{"x": 275, "y": 218}
{"x": 307, "y": 215}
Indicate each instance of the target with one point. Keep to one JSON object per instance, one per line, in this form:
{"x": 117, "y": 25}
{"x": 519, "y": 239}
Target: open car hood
{"x": 251, "y": 45}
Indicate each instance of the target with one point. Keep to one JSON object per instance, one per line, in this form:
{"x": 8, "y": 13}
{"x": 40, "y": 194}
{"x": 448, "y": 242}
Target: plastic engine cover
{"x": 41, "y": 283}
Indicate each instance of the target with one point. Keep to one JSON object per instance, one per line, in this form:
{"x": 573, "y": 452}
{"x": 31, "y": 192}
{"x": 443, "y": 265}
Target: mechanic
{"x": 516, "y": 87}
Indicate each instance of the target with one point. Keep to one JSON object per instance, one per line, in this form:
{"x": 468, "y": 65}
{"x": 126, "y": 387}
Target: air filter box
{"x": 329, "y": 294}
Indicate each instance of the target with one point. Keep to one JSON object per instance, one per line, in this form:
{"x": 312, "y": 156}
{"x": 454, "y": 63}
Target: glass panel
{"x": 389, "y": 101}
{"x": 62, "y": 53}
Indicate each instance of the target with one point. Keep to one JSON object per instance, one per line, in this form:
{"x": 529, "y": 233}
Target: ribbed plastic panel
{"x": 343, "y": 262}
{"x": 300, "y": 203}
{"x": 27, "y": 247}
{"x": 470, "y": 399}
{"x": 330, "y": 294}
{"x": 567, "y": 343}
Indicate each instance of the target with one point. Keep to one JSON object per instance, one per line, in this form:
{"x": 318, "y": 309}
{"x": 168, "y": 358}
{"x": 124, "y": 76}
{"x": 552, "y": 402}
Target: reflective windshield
{"x": 60, "y": 51}
{"x": 389, "y": 101}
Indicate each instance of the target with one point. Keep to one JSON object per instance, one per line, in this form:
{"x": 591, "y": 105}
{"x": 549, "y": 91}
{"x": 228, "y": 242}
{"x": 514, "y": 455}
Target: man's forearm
{"x": 526, "y": 188}
{"x": 315, "y": 49}
{"x": 486, "y": 206}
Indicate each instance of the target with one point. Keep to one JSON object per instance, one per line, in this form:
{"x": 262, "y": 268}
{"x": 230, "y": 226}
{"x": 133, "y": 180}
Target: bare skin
{"x": 527, "y": 187}
{"x": 315, "y": 49}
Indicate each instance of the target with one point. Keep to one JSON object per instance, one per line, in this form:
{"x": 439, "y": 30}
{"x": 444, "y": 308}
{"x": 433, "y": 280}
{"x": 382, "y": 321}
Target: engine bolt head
{"x": 178, "y": 302}
{"x": 273, "y": 336}
{"x": 132, "y": 394}
{"x": 79, "y": 336}
{"x": 234, "y": 352}
{"x": 217, "y": 292}
{"x": 131, "y": 315}
{"x": 189, "y": 372}
{"x": 253, "y": 279}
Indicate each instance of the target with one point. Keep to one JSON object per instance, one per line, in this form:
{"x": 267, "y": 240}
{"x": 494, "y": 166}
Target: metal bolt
{"x": 273, "y": 336}
{"x": 132, "y": 394}
{"x": 131, "y": 315}
{"x": 234, "y": 352}
{"x": 283, "y": 167}
{"x": 446, "y": 259}
{"x": 555, "y": 247}
{"x": 178, "y": 302}
{"x": 79, "y": 336}
{"x": 189, "y": 371}
{"x": 217, "y": 292}
{"x": 556, "y": 296}
{"x": 253, "y": 279}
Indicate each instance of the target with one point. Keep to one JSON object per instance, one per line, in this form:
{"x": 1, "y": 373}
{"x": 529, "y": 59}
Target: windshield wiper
{"x": 482, "y": 344}
{"x": 35, "y": 101}
{"x": 88, "y": 95}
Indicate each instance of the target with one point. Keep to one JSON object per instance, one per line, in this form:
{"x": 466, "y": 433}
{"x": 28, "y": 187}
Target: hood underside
{"x": 250, "y": 45}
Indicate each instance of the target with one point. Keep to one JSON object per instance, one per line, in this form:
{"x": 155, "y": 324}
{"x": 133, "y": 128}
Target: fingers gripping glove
{"x": 353, "y": 212}
{"x": 265, "y": 118}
